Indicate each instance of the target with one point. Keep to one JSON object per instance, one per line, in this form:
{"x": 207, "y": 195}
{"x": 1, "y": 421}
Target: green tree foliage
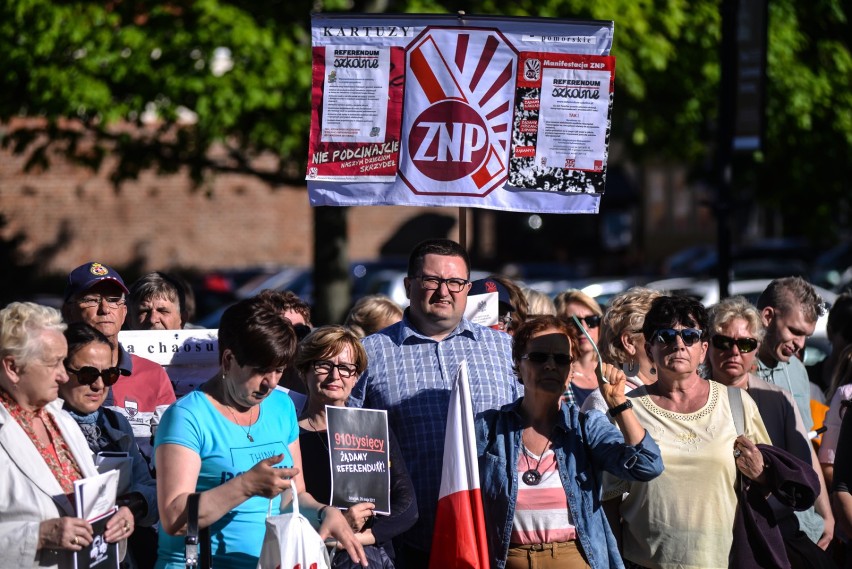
{"x": 105, "y": 64}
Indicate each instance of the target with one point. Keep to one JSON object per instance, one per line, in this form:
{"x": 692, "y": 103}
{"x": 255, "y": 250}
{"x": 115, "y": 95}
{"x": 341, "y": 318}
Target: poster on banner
{"x": 360, "y": 458}
{"x": 562, "y": 122}
{"x": 498, "y": 113}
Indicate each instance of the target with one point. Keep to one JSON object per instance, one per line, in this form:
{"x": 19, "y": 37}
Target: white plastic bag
{"x": 291, "y": 542}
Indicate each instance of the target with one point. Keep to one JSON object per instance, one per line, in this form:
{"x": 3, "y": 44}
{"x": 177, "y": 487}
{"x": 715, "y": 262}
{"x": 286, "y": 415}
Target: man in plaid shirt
{"x": 411, "y": 368}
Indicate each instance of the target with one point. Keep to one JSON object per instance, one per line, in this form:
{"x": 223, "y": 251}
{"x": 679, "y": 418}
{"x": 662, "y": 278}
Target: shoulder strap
{"x": 735, "y": 396}
{"x": 197, "y": 542}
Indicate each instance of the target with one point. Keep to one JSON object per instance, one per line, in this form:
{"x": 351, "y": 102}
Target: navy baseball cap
{"x": 86, "y": 276}
{"x": 485, "y": 286}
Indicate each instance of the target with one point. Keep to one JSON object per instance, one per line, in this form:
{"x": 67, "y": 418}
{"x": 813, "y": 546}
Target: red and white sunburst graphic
{"x": 459, "y": 90}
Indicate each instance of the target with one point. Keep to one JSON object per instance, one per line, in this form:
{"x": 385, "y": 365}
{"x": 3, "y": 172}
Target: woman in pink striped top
{"x": 541, "y": 460}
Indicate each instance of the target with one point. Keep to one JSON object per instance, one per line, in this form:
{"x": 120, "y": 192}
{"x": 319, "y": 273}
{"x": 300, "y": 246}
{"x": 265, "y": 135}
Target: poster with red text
{"x": 358, "y": 442}
{"x": 562, "y": 122}
{"x": 497, "y": 113}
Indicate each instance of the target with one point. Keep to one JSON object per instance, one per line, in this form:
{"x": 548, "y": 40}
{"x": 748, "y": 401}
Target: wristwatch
{"x": 618, "y": 409}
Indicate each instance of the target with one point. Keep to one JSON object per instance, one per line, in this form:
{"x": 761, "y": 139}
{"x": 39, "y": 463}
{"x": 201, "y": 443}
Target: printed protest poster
{"x": 442, "y": 110}
{"x": 360, "y": 458}
{"x": 562, "y": 124}
{"x": 358, "y": 95}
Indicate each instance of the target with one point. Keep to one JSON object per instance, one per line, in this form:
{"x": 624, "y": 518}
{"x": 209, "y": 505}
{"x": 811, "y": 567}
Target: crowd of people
{"x": 653, "y": 432}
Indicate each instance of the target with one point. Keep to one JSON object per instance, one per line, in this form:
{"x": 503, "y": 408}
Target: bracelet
{"x": 320, "y": 517}
{"x": 618, "y": 409}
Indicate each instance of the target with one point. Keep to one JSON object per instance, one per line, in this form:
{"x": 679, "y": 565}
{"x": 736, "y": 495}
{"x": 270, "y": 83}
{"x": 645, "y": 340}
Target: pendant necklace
{"x": 248, "y": 431}
{"x": 532, "y": 477}
{"x": 321, "y": 438}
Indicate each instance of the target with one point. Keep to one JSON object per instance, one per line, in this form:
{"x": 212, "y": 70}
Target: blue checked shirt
{"x": 410, "y": 375}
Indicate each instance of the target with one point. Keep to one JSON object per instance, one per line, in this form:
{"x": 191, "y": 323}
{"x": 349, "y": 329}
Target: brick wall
{"x": 69, "y": 215}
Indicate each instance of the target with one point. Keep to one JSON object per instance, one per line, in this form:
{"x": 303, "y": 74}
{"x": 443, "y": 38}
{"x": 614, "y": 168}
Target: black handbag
{"x": 376, "y": 557}
{"x": 197, "y": 542}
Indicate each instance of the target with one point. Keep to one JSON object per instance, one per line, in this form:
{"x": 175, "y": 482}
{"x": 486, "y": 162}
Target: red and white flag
{"x": 459, "y": 539}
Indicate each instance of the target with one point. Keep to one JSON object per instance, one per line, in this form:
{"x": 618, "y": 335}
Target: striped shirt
{"x": 410, "y": 375}
{"x": 541, "y": 511}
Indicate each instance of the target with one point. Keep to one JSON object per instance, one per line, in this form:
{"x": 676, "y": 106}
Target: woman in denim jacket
{"x": 540, "y": 461}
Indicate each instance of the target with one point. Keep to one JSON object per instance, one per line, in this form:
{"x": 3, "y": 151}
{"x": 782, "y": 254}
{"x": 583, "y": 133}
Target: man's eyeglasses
{"x": 325, "y": 367}
{"x": 592, "y": 321}
{"x": 744, "y": 345}
{"x": 87, "y": 375}
{"x": 92, "y": 301}
{"x": 434, "y": 283}
{"x": 541, "y": 357}
{"x": 669, "y": 336}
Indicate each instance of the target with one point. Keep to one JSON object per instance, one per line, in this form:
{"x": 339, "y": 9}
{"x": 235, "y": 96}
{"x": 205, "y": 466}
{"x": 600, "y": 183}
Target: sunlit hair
{"x": 721, "y": 314}
{"x": 625, "y": 313}
{"x": 157, "y": 285}
{"x": 20, "y": 325}
{"x": 842, "y": 373}
{"x": 788, "y": 293}
{"x": 286, "y": 301}
{"x": 324, "y": 343}
{"x": 370, "y": 312}
{"x": 566, "y": 297}
{"x": 258, "y": 335}
{"x": 668, "y": 311}
{"x": 79, "y": 334}
{"x": 538, "y": 303}
{"x": 442, "y": 247}
{"x": 534, "y": 325}
{"x": 517, "y": 298}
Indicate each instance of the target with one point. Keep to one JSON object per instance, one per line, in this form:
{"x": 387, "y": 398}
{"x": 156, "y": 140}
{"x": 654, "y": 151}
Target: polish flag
{"x": 459, "y": 539}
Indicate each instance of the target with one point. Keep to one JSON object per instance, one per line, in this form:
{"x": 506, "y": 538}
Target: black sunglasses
{"x": 87, "y": 375}
{"x": 744, "y": 345}
{"x": 592, "y": 321}
{"x": 541, "y": 357}
{"x": 669, "y": 336}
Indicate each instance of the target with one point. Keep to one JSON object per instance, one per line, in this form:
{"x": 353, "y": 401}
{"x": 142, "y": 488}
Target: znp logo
{"x": 458, "y": 111}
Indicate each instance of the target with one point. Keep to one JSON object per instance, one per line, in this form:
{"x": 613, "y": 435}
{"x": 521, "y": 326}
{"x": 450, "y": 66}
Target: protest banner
{"x": 190, "y": 357}
{"x": 360, "y": 457}
{"x": 441, "y": 110}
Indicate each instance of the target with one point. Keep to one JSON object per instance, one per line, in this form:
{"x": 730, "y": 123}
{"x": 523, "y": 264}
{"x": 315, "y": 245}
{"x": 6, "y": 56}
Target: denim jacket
{"x": 580, "y": 459}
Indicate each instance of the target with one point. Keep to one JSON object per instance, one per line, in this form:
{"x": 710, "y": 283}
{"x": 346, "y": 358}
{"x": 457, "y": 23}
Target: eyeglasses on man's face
{"x": 95, "y": 300}
{"x": 429, "y": 282}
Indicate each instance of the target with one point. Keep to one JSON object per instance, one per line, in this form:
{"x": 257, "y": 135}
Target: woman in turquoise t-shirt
{"x": 236, "y": 441}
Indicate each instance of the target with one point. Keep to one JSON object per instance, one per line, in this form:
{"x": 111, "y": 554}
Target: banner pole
{"x": 463, "y": 227}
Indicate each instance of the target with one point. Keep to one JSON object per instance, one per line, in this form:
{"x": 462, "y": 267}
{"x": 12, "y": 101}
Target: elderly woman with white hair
{"x": 42, "y": 450}
{"x": 736, "y": 331}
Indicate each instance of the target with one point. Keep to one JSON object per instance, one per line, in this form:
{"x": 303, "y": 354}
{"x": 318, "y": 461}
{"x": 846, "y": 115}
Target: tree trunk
{"x": 332, "y": 294}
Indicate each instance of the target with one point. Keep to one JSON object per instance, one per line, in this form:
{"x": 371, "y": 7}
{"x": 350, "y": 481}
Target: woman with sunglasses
{"x": 329, "y": 361}
{"x": 90, "y": 377}
{"x": 577, "y": 303}
{"x": 622, "y": 342}
{"x": 42, "y": 452}
{"x": 685, "y": 517}
{"x": 736, "y": 331}
{"x": 541, "y": 461}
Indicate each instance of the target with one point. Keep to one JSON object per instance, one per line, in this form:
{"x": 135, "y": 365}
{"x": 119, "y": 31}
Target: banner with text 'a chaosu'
{"x": 498, "y": 113}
